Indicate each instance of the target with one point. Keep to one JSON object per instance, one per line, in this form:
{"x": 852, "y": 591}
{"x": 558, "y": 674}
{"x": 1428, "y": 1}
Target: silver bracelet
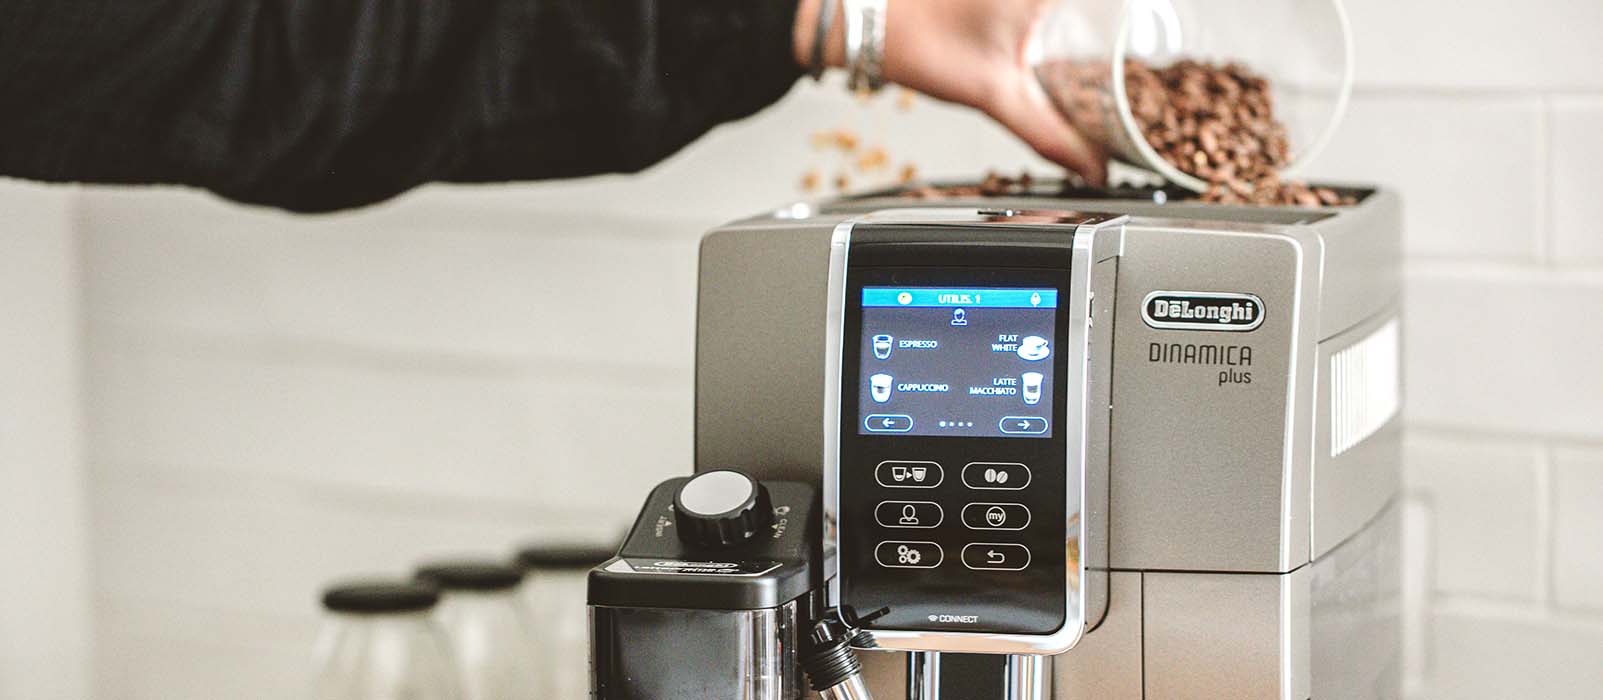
{"x": 865, "y": 45}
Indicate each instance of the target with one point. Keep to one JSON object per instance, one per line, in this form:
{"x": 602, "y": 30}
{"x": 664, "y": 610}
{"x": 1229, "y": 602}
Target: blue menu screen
{"x": 965, "y": 362}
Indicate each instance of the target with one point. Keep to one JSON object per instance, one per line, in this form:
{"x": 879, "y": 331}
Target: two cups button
{"x": 899, "y": 474}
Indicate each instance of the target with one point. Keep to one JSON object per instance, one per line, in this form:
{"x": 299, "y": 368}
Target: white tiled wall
{"x": 44, "y": 558}
{"x": 1489, "y": 118}
{"x": 274, "y": 401}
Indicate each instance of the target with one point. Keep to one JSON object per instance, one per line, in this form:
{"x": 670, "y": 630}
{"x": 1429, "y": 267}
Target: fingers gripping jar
{"x": 1085, "y": 52}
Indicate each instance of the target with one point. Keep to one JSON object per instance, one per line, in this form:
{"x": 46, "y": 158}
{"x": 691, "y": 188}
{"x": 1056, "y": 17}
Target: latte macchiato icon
{"x": 1032, "y": 387}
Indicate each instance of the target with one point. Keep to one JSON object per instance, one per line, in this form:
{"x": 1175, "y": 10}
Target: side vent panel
{"x": 1365, "y": 391}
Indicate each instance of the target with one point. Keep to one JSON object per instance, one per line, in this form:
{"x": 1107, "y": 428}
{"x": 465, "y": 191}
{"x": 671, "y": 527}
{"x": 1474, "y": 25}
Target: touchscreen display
{"x": 967, "y": 362}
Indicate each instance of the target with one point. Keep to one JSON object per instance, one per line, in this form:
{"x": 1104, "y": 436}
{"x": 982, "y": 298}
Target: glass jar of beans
{"x": 1230, "y": 98}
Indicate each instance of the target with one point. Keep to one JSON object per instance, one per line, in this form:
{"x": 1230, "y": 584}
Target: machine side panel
{"x": 1238, "y": 636}
{"x": 759, "y": 351}
{"x": 1363, "y": 262}
{"x": 1201, "y": 455}
{"x": 1106, "y": 664}
{"x": 1357, "y": 614}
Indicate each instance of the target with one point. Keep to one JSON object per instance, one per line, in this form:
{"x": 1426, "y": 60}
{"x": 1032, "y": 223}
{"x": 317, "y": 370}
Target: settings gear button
{"x": 908, "y": 555}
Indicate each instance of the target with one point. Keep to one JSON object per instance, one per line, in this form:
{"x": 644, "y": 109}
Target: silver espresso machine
{"x": 1056, "y": 444}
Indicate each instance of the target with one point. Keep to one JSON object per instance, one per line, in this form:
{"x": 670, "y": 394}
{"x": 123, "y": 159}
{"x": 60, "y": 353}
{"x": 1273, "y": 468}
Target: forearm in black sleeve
{"x": 315, "y": 105}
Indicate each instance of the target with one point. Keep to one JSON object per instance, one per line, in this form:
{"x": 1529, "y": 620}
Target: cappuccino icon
{"x": 882, "y": 346}
{"x": 879, "y": 387}
{"x": 1032, "y": 387}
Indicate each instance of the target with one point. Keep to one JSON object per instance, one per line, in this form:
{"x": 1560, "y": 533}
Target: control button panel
{"x": 996, "y": 476}
{"x": 909, "y": 514}
{"x": 897, "y": 554}
{"x": 996, "y": 516}
{"x": 996, "y": 556}
{"x": 909, "y": 475}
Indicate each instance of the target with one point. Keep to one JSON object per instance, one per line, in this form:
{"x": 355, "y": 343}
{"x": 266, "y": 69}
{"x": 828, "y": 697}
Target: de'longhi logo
{"x": 1202, "y": 311}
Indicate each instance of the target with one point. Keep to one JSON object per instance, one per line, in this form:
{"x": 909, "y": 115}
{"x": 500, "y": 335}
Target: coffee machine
{"x": 1054, "y": 444}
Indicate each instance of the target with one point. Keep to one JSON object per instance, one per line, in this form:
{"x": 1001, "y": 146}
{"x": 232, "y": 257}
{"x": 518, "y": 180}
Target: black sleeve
{"x": 314, "y": 105}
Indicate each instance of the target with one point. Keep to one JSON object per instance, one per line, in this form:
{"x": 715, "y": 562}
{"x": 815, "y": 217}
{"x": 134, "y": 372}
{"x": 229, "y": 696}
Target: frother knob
{"x": 721, "y": 509}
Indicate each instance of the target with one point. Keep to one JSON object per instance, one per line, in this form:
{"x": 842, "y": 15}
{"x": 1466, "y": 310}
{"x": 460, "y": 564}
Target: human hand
{"x": 971, "y": 52}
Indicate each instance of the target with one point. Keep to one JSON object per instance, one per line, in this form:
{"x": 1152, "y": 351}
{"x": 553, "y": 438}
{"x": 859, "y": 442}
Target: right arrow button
{"x": 1022, "y": 425}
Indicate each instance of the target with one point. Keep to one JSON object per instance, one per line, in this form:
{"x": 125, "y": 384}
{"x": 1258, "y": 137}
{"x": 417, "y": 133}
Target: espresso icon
{"x": 882, "y": 346}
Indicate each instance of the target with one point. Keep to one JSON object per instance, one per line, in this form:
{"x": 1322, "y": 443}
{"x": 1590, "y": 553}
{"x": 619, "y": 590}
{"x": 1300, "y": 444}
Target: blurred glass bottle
{"x": 554, "y": 592}
{"x": 380, "y": 643}
{"x": 487, "y": 627}
{"x": 1304, "y": 48}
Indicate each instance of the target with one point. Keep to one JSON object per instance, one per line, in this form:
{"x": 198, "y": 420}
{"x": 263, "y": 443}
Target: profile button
{"x": 992, "y": 556}
{"x": 996, "y": 476}
{"x": 909, "y": 475}
{"x": 909, "y": 514}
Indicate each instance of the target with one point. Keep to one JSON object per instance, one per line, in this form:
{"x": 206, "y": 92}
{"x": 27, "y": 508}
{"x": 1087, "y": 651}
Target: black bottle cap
{"x": 721, "y": 508}
{"x": 569, "y": 556}
{"x": 377, "y": 597}
{"x": 470, "y": 575}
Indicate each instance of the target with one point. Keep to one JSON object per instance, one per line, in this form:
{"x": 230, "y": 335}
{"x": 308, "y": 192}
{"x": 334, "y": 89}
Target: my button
{"x": 991, "y": 556}
{"x": 1022, "y": 425}
{"x": 889, "y": 423}
{"x": 896, "y": 554}
{"x": 996, "y": 516}
{"x": 996, "y": 476}
{"x": 919, "y": 514}
{"x": 909, "y": 475}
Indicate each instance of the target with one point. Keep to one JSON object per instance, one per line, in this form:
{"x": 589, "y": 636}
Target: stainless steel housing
{"x": 1252, "y": 525}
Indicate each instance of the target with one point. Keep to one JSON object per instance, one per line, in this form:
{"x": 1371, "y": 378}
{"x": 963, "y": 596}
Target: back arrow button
{"x": 888, "y": 423}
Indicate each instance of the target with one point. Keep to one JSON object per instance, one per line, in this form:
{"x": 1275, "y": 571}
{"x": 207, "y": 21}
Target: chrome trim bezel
{"x": 1076, "y": 600}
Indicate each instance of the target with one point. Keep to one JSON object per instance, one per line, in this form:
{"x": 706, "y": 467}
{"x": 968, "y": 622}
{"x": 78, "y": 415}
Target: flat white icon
{"x": 880, "y": 387}
{"x": 959, "y": 317}
{"x": 918, "y": 473}
{"x": 882, "y": 346}
{"x": 1032, "y": 387}
{"x": 1034, "y": 348}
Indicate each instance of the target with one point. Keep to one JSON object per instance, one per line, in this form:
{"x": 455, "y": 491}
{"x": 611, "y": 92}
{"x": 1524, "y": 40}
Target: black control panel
{"x": 952, "y": 458}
